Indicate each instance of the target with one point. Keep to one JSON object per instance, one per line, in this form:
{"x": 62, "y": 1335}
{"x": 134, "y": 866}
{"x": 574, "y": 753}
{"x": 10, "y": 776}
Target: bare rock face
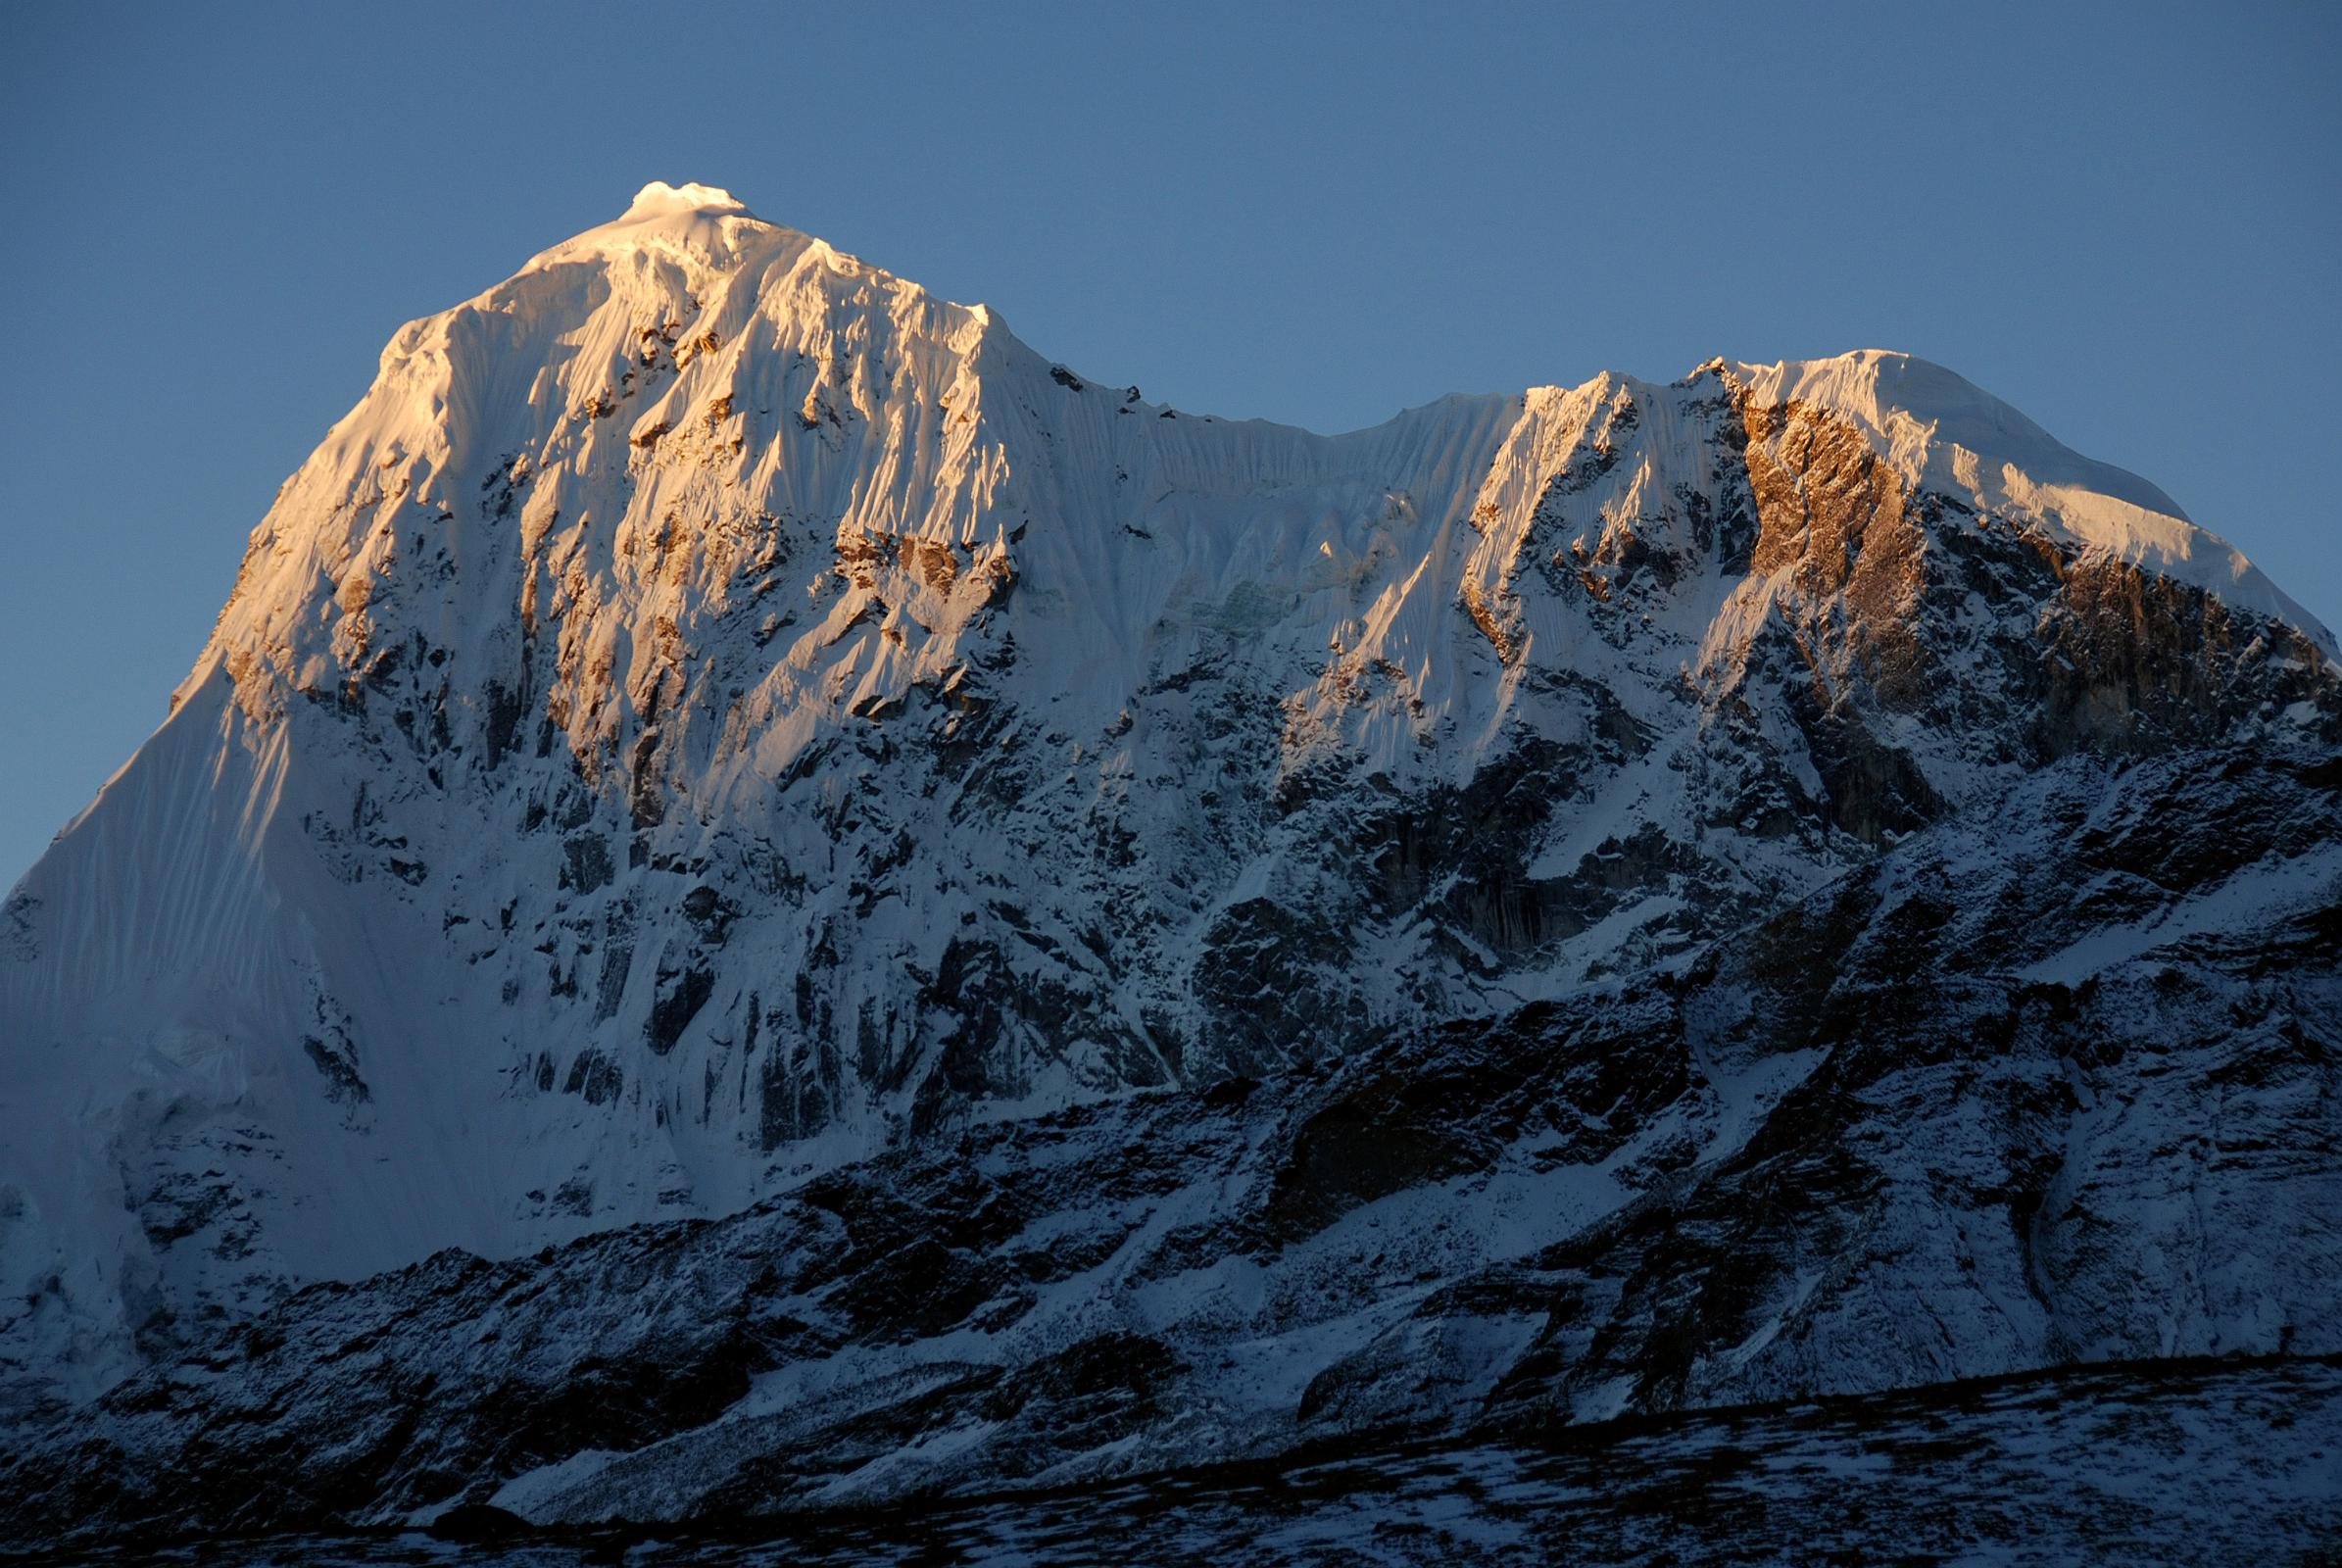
{"x": 1024, "y": 914}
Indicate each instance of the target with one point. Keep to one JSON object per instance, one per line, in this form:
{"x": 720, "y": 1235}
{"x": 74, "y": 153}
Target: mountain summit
{"x": 718, "y": 727}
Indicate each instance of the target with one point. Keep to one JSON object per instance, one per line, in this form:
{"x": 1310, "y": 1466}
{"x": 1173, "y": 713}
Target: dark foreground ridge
{"x": 2187, "y": 1461}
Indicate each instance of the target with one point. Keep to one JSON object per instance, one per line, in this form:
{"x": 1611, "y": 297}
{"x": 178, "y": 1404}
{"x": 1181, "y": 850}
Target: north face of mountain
{"x": 2059, "y": 1087}
{"x": 715, "y": 715}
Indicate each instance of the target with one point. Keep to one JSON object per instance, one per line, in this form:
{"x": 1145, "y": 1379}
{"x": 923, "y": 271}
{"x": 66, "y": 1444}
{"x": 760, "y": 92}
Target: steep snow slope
{"x": 2059, "y": 1087}
{"x": 714, "y": 711}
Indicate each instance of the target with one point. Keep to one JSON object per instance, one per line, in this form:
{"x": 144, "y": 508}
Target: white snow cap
{"x": 702, "y": 220}
{"x": 659, "y": 198}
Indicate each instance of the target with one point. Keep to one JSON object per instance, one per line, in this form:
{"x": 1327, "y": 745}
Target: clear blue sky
{"x": 2126, "y": 219}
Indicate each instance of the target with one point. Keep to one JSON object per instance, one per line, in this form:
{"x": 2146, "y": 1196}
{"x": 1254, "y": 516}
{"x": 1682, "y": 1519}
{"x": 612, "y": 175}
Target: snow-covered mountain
{"x": 717, "y": 723}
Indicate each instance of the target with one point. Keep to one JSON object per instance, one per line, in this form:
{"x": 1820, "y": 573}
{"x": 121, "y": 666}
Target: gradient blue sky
{"x": 2125, "y": 219}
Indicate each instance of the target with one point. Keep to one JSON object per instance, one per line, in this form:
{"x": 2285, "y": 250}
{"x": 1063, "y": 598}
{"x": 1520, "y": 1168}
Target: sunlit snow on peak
{"x": 661, "y": 197}
{"x": 703, "y": 222}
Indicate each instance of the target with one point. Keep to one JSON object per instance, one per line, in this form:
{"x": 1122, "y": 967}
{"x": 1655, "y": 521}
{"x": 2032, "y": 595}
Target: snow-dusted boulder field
{"x": 763, "y": 899}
